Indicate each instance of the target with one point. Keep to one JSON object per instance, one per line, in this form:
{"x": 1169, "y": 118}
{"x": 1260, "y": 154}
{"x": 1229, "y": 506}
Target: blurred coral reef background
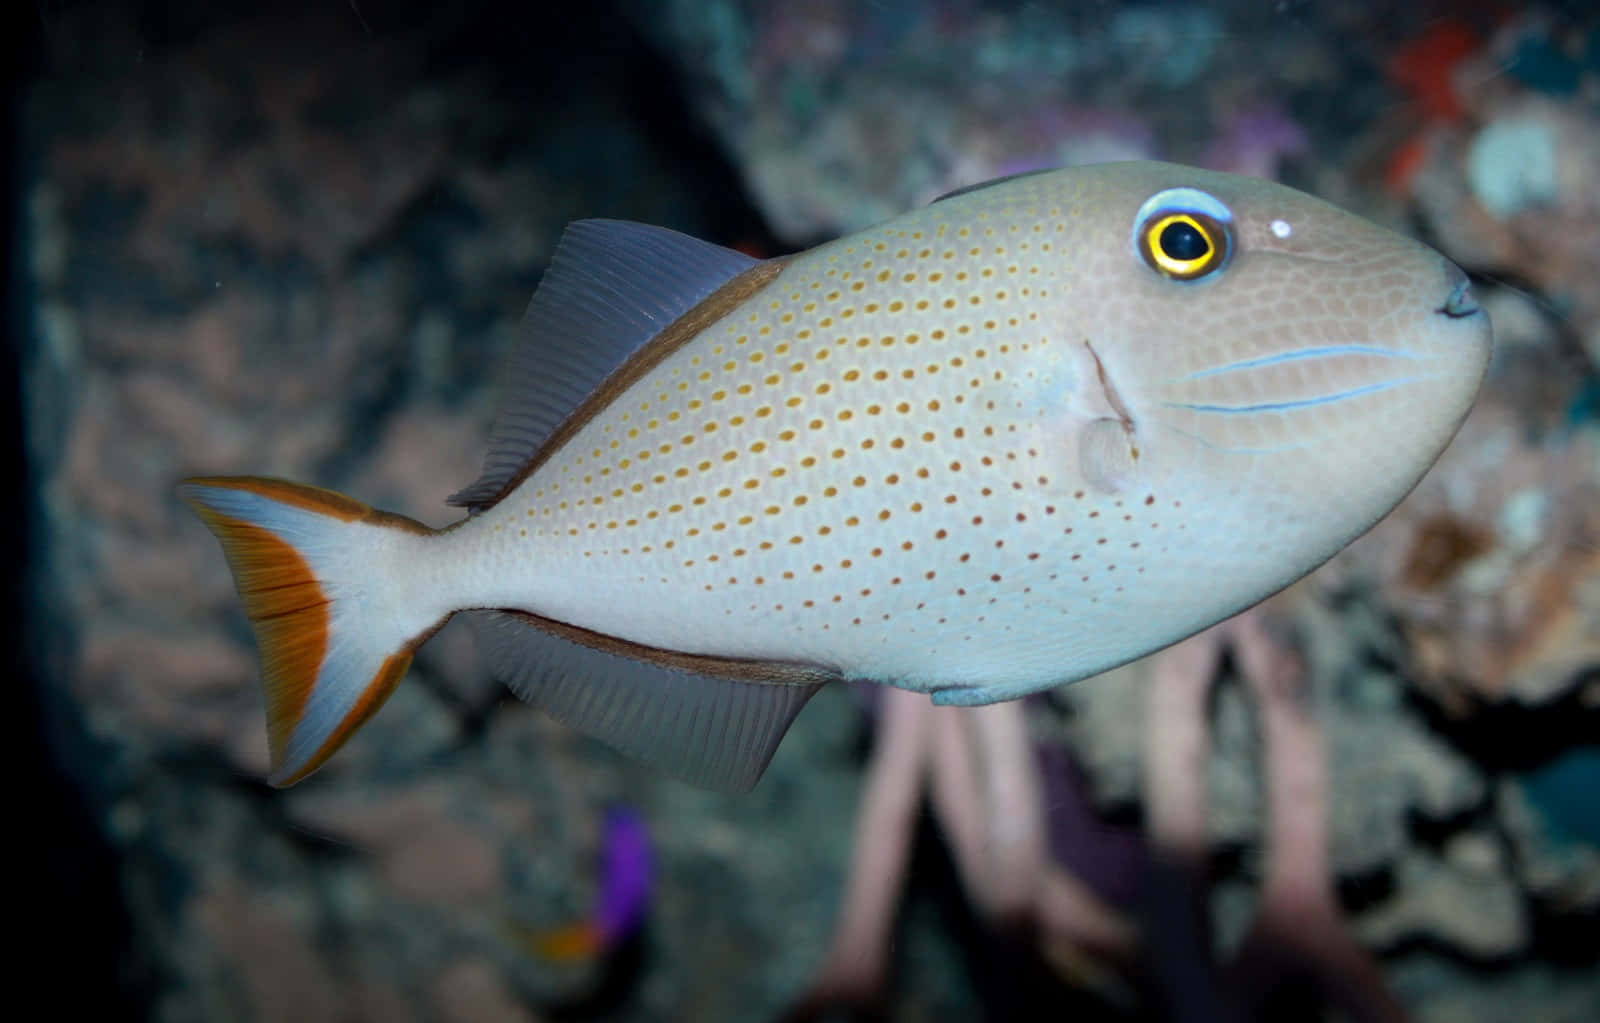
{"x": 295, "y": 239}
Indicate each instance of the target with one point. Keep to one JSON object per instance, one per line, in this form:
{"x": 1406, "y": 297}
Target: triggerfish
{"x": 1011, "y": 439}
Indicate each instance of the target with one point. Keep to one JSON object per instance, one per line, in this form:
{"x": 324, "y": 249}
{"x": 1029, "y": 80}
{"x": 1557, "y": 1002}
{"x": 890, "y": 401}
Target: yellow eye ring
{"x": 1183, "y": 245}
{"x": 1184, "y": 234}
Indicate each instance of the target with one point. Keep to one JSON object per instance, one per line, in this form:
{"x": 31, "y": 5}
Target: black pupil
{"x": 1182, "y": 241}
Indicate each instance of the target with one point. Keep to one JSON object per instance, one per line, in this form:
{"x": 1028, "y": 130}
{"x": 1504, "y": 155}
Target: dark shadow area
{"x": 76, "y": 934}
{"x": 563, "y": 86}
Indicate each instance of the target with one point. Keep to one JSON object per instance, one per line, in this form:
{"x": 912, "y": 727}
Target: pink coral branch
{"x": 995, "y": 826}
{"x": 854, "y": 970}
{"x": 1297, "y": 934}
{"x": 986, "y": 789}
{"x": 1070, "y": 913}
{"x": 1298, "y": 929}
{"x": 1177, "y": 744}
{"x": 957, "y": 797}
{"x": 1177, "y": 747}
{"x": 987, "y": 792}
{"x": 1013, "y": 805}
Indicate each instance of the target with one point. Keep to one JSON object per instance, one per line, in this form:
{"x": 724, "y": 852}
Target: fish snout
{"x": 1460, "y": 302}
{"x": 1455, "y": 340}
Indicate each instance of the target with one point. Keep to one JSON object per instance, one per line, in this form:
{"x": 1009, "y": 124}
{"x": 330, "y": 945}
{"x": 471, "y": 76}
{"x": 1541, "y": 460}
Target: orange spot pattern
{"x": 825, "y": 453}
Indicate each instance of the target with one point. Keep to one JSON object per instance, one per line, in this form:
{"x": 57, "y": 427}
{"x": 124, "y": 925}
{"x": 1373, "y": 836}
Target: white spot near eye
{"x": 1282, "y": 228}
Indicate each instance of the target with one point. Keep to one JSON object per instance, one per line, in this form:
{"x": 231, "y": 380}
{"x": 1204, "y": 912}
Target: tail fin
{"x": 309, "y": 565}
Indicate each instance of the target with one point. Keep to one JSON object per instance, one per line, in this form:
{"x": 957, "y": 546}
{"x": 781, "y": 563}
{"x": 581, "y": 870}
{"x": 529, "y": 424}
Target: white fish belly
{"x": 871, "y": 465}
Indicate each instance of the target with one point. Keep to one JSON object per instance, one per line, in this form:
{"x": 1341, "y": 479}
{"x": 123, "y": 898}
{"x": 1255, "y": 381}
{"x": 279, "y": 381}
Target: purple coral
{"x": 1254, "y": 140}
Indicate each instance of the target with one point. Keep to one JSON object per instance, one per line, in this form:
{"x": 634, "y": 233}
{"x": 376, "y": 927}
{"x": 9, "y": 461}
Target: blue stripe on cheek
{"x": 1296, "y": 356}
{"x": 1289, "y": 406}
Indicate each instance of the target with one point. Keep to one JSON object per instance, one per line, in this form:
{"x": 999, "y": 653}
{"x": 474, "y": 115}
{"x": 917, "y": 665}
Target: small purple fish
{"x": 627, "y": 873}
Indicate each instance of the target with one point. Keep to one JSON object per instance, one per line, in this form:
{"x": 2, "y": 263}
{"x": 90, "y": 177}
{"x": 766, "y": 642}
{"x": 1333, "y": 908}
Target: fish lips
{"x": 1461, "y": 301}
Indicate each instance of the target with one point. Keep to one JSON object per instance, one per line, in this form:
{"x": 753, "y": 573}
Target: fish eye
{"x": 1183, "y": 234}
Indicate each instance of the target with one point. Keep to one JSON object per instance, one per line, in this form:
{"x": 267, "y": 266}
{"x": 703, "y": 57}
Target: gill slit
{"x": 1110, "y": 390}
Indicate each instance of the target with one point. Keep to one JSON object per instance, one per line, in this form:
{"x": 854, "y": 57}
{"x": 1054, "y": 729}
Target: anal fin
{"x": 712, "y": 721}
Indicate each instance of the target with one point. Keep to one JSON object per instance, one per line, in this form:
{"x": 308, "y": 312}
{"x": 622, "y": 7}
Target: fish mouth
{"x": 1461, "y": 302}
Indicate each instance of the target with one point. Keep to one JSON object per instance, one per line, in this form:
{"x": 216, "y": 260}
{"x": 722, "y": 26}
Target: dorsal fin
{"x": 612, "y": 285}
{"x": 981, "y": 185}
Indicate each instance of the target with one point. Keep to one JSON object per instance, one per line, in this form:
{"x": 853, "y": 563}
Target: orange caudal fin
{"x": 323, "y": 583}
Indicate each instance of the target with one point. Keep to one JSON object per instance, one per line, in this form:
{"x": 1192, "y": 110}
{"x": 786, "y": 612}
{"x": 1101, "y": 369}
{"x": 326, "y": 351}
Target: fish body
{"x": 1012, "y": 439}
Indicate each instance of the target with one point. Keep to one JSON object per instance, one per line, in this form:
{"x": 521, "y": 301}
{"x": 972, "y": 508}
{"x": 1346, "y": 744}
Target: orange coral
{"x": 1425, "y": 68}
